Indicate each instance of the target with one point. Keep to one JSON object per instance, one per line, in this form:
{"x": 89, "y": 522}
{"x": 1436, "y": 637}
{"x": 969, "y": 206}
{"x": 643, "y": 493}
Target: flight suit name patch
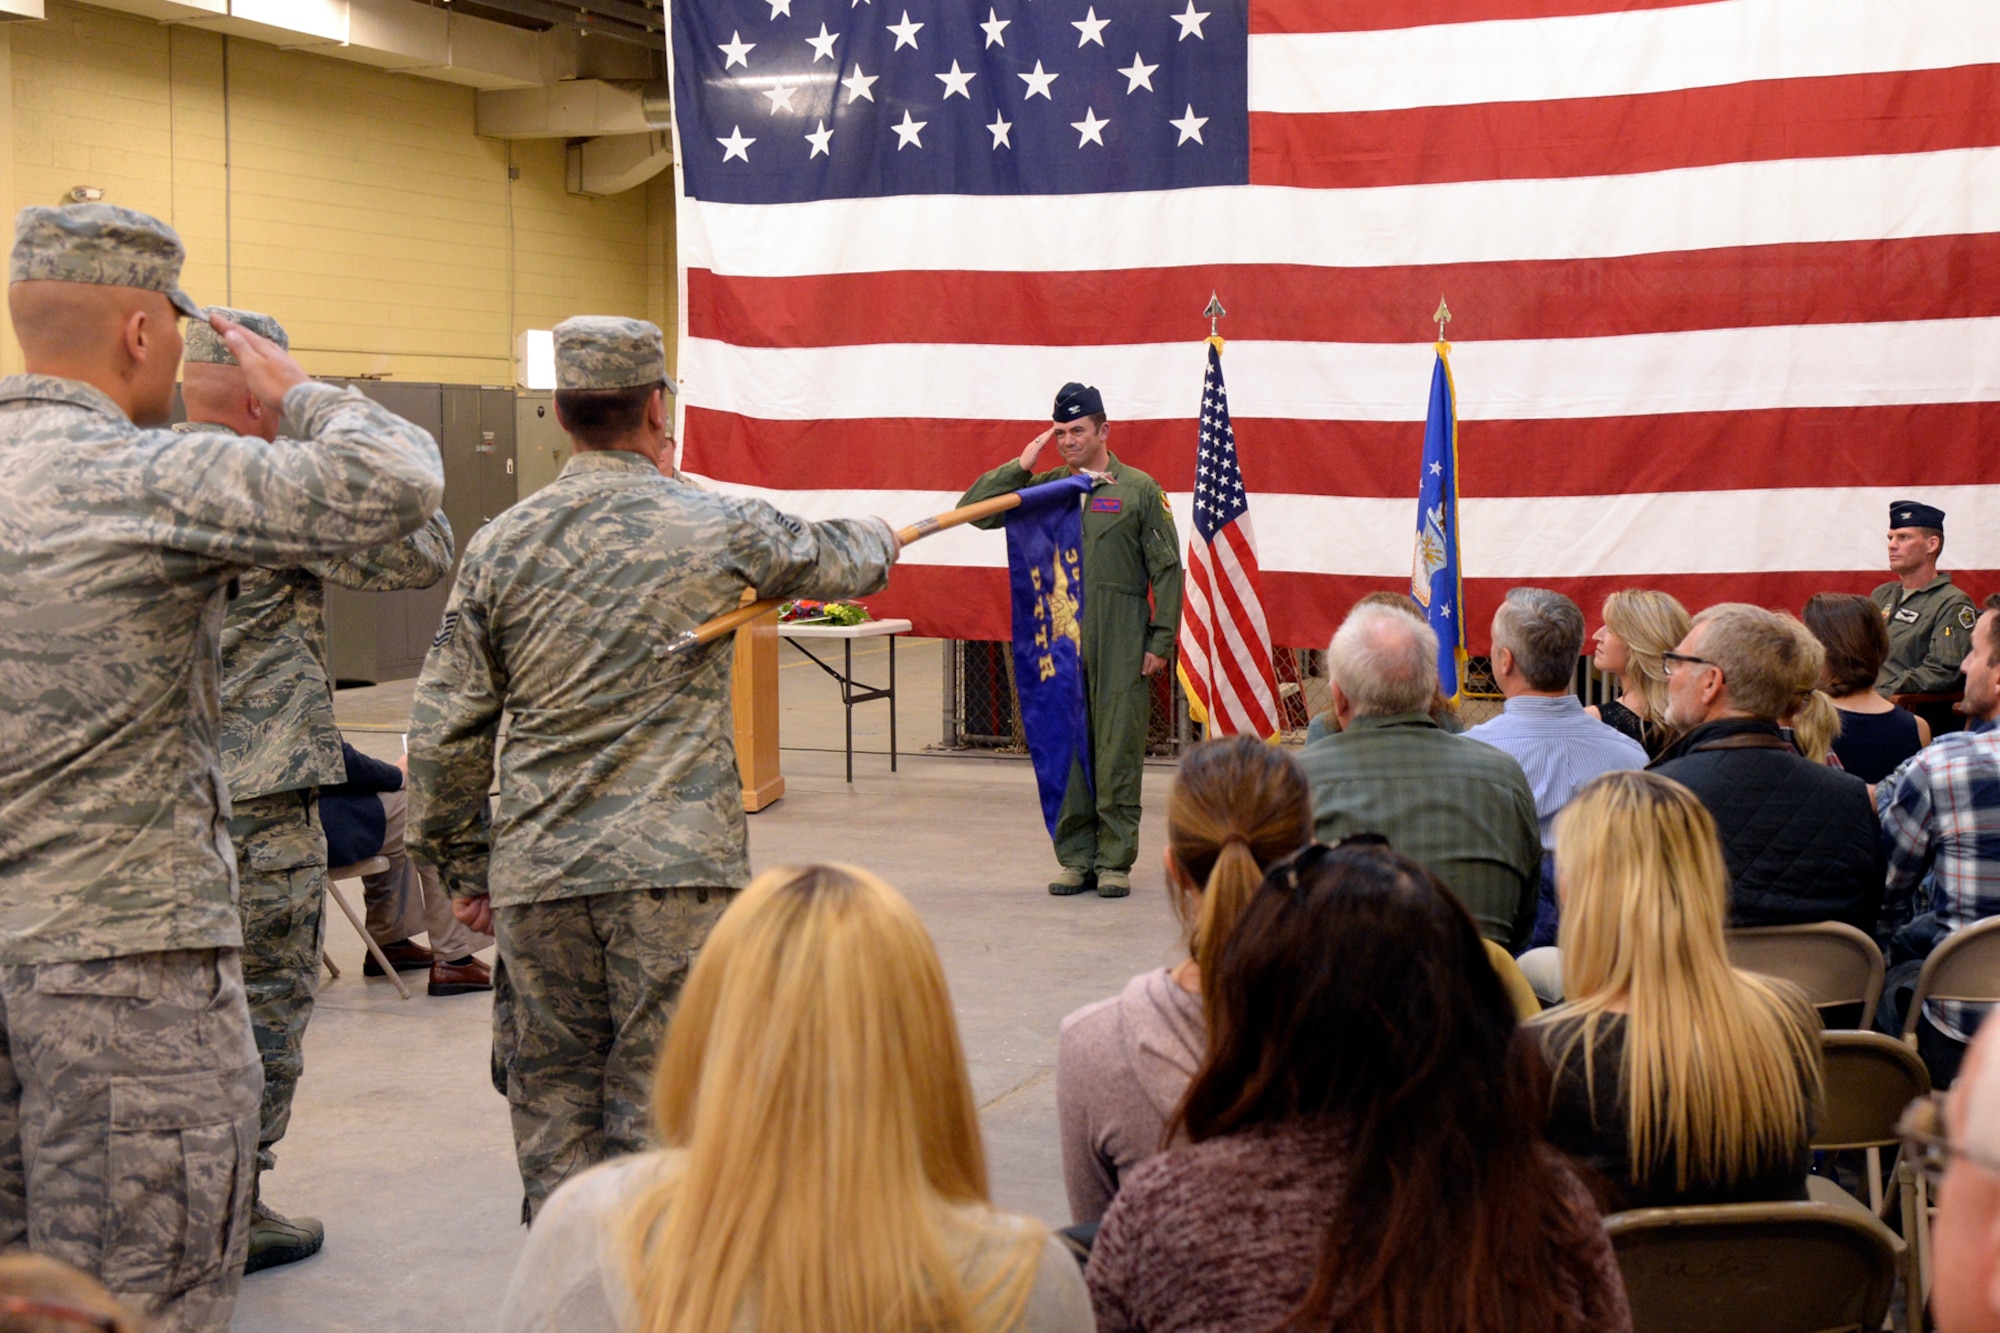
{"x": 1106, "y": 504}
{"x": 1907, "y": 616}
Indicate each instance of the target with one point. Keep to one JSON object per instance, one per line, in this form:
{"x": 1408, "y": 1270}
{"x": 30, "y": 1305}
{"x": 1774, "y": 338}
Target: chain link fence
{"x": 982, "y": 712}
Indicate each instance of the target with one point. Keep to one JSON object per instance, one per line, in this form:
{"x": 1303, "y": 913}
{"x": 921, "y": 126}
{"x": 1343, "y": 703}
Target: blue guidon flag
{"x": 1045, "y": 566}
{"x": 1435, "y": 579}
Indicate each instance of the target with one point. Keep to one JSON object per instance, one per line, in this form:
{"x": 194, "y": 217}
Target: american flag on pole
{"x": 1726, "y": 274}
{"x": 1225, "y": 643}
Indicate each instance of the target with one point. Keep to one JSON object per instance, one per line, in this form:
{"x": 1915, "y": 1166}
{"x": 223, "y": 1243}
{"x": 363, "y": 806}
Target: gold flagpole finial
{"x": 1212, "y": 313}
{"x": 1443, "y": 317}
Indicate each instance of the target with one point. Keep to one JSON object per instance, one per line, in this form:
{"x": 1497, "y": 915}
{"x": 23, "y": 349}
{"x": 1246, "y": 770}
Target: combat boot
{"x": 1113, "y": 883}
{"x": 276, "y": 1239}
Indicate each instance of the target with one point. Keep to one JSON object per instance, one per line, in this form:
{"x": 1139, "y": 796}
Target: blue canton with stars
{"x": 783, "y": 101}
{"x": 1218, "y": 482}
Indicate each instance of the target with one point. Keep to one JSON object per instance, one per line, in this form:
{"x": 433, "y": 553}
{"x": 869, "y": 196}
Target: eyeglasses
{"x": 1310, "y": 855}
{"x": 1923, "y": 1129}
{"x": 1670, "y": 659}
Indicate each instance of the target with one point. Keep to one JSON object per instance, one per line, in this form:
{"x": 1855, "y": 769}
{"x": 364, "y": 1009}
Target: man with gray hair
{"x": 1800, "y": 838}
{"x": 1466, "y": 812}
{"x": 1537, "y": 642}
{"x": 1965, "y": 1238}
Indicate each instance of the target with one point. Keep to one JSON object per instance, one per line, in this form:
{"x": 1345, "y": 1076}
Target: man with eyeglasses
{"x": 1959, "y": 1138}
{"x": 1800, "y": 838}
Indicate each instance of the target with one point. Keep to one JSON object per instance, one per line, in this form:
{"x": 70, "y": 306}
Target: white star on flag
{"x": 1140, "y": 73}
{"x": 736, "y": 145}
{"x": 906, "y": 31}
{"x": 1001, "y": 127}
{"x": 859, "y": 85}
{"x": 822, "y": 140}
{"x": 739, "y": 50}
{"x": 1092, "y": 28}
{"x": 781, "y": 96}
{"x": 781, "y": 7}
{"x": 956, "y": 81}
{"x": 1190, "y": 22}
{"x": 1090, "y": 127}
{"x": 1038, "y": 82}
{"x": 993, "y": 27}
{"x": 822, "y": 45}
{"x": 906, "y": 133}
{"x": 1437, "y": 469}
{"x": 1189, "y": 125}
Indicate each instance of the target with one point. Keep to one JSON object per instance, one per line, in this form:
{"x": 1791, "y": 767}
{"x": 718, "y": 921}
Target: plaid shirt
{"x": 1941, "y": 818}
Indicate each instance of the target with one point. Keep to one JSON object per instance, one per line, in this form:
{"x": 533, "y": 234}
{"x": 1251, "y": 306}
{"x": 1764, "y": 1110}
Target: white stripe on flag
{"x": 1809, "y": 365}
{"x": 1945, "y": 193}
{"x": 1613, "y": 55}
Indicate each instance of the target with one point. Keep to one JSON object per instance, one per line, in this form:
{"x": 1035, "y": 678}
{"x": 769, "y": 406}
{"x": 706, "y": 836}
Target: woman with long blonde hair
{"x": 1640, "y": 625}
{"x": 1122, "y": 1064}
{"x": 1677, "y": 1077}
{"x": 821, "y": 1166}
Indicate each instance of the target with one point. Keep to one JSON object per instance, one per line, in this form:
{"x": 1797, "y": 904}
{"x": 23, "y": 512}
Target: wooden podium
{"x": 753, "y": 683}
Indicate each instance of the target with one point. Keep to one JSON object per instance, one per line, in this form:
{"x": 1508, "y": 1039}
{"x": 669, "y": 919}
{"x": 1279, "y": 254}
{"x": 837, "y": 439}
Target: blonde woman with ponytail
{"x": 1123, "y": 1064}
{"x": 821, "y": 1167}
{"x": 1676, "y": 1078}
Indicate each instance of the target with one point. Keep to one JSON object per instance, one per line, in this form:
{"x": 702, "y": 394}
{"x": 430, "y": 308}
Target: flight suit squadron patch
{"x": 1967, "y": 618}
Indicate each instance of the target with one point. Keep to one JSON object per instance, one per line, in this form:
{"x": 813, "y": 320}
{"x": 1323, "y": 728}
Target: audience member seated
{"x": 1677, "y": 1078}
{"x": 1464, "y": 811}
{"x": 1442, "y": 710}
{"x": 1800, "y": 838}
{"x": 1537, "y": 640}
{"x": 1941, "y": 828}
{"x": 1363, "y": 1139}
{"x": 1811, "y": 725}
{"x": 363, "y": 818}
{"x": 1122, "y": 1064}
{"x": 822, "y": 1166}
{"x": 1875, "y": 735}
{"x": 43, "y": 1295}
{"x": 1640, "y": 627}
{"x": 1965, "y": 1238}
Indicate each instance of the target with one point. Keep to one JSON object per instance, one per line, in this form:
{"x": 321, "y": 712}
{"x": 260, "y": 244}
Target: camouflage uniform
{"x": 128, "y": 1075}
{"x": 619, "y": 832}
{"x": 279, "y": 746}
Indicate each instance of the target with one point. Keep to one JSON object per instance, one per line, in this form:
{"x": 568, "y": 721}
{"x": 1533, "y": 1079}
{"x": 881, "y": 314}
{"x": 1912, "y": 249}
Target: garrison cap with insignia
{"x": 608, "y": 352}
{"x": 1915, "y": 514}
{"x": 1077, "y": 400}
{"x": 204, "y": 344}
{"x": 102, "y": 244}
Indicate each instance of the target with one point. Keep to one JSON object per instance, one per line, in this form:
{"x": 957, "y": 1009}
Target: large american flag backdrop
{"x": 1725, "y": 275}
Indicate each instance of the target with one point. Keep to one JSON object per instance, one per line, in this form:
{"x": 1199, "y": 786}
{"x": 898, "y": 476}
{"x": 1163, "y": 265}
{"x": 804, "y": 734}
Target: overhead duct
{"x": 574, "y": 109}
{"x": 616, "y": 163}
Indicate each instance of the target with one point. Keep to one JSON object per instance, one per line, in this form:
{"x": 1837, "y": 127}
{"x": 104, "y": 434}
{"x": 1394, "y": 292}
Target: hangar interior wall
{"x": 356, "y": 205}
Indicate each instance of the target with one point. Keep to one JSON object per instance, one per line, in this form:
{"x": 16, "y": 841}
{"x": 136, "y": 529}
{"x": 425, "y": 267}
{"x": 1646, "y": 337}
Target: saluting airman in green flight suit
{"x": 1129, "y": 548}
{"x": 1929, "y": 620}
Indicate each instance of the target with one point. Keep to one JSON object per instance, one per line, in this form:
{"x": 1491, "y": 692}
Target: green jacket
{"x": 1126, "y": 549}
{"x": 1930, "y": 632}
{"x": 1461, "y": 809}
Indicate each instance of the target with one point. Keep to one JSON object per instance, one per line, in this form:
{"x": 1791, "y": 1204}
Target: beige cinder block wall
{"x": 355, "y": 205}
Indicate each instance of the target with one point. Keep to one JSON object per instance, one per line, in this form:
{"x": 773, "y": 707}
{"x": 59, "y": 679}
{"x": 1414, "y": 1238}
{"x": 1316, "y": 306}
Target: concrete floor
{"x": 400, "y": 1145}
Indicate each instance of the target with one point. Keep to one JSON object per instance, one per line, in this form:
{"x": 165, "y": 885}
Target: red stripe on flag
{"x": 1914, "y": 445}
{"x": 1850, "y": 282}
{"x": 1304, "y": 609}
{"x": 1374, "y": 15}
{"x": 1854, "y": 115}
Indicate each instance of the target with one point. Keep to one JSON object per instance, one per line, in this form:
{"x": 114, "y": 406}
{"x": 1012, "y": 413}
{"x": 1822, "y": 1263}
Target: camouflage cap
{"x": 103, "y": 244}
{"x": 205, "y": 344}
{"x": 607, "y": 352}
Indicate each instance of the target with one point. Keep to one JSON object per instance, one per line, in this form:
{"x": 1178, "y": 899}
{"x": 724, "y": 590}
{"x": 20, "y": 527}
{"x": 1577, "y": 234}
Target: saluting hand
{"x": 1034, "y": 449}
{"x": 267, "y": 367}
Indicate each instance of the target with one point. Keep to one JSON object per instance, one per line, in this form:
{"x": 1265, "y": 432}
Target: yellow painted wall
{"x": 357, "y": 206}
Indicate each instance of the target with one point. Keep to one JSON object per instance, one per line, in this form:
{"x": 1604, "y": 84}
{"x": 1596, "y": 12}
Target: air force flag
{"x": 1045, "y": 566}
{"x": 1435, "y": 581}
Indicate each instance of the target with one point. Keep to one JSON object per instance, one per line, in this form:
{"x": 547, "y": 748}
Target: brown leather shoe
{"x": 460, "y": 978}
{"x": 403, "y": 955}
